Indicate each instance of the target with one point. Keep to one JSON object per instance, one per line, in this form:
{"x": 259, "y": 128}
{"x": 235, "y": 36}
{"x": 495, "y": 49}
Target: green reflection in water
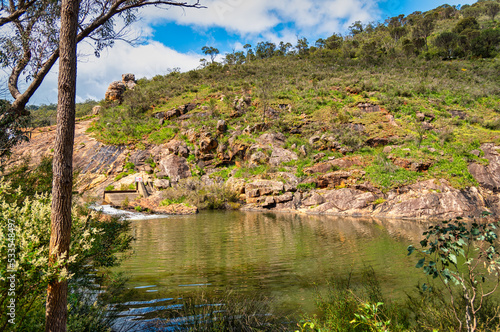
{"x": 279, "y": 255}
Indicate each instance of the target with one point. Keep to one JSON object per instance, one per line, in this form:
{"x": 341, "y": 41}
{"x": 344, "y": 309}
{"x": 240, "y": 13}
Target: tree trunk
{"x": 56, "y": 311}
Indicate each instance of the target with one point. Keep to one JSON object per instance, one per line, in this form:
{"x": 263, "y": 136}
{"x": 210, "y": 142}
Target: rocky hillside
{"x": 267, "y": 174}
{"x": 388, "y": 122}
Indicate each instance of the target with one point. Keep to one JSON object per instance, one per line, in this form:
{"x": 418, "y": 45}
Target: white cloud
{"x": 95, "y": 74}
{"x": 257, "y": 17}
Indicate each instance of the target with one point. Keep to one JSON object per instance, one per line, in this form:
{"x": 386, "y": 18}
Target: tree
{"x": 302, "y": 46}
{"x": 424, "y": 27}
{"x": 466, "y": 23}
{"x": 492, "y": 9}
{"x": 265, "y": 50}
{"x": 29, "y": 46}
{"x": 36, "y": 51}
{"x": 284, "y": 47}
{"x": 60, "y": 233}
{"x": 356, "y": 28}
{"x": 211, "y": 51}
{"x": 250, "y": 54}
{"x": 447, "y": 41}
{"x": 334, "y": 42}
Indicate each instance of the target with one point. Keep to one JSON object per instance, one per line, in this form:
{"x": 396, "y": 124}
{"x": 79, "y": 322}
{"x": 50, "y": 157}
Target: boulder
{"x": 115, "y": 91}
{"x": 318, "y": 157}
{"x": 314, "y": 139}
{"x": 207, "y": 143}
{"x": 280, "y": 156}
{"x": 221, "y": 127}
{"x": 274, "y": 139}
{"x": 175, "y": 167}
{"x": 264, "y": 187}
{"x": 173, "y": 113}
{"x": 177, "y": 147}
{"x": 129, "y": 81}
{"x": 303, "y": 150}
{"x": 161, "y": 184}
{"x": 286, "y": 197}
{"x": 387, "y": 149}
{"x": 259, "y": 158}
{"x": 369, "y": 108}
{"x": 96, "y": 110}
{"x": 333, "y": 179}
{"x": 268, "y": 202}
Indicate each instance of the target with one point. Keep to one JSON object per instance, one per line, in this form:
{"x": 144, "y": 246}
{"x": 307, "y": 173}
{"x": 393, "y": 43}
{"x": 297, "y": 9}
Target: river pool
{"x": 287, "y": 257}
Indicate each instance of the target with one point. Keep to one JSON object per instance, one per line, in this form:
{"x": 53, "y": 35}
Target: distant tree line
{"x": 475, "y": 34}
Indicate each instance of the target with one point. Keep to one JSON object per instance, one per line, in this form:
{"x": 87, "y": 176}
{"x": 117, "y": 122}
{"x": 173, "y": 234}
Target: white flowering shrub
{"x": 24, "y": 250}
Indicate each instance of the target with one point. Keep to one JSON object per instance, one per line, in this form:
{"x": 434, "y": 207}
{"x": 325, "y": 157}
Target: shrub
{"x": 94, "y": 244}
{"x": 306, "y": 186}
{"x": 465, "y": 258}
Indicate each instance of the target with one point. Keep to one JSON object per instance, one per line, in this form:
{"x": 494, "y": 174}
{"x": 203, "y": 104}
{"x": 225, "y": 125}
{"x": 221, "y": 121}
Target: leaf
{"x": 452, "y": 258}
{"x": 410, "y": 249}
{"x": 420, "y": 263}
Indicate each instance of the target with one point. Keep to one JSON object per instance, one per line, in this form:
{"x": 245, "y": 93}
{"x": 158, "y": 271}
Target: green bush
{"x": 94, "y": 244}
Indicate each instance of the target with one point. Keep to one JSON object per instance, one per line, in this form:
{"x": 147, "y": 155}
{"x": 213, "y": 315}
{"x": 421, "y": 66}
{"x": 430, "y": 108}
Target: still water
{"x": 284, "y": 256}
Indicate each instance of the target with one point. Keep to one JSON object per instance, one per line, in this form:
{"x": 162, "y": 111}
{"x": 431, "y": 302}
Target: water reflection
{"x": 280, "y": 255}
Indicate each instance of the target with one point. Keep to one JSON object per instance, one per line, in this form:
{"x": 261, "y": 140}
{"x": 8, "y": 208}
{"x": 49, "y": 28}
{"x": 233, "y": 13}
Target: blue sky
{"x": 173, "y": 38}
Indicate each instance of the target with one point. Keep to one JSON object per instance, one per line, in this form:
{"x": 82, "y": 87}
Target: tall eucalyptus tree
{"x": 33, "y": 36}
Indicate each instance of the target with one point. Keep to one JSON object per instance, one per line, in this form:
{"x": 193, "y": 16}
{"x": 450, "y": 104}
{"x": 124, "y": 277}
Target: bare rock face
{"x": 139, "y": 157}
{"x": 236, "y": 185}
{"x": 314, "y": 199}
{"x": 115, "y": 91}
{"x": 349, "y": 199}
{"x": 432, "y": 198}
{"x": 175, "y": 167}
{"x": 488, "y": 176}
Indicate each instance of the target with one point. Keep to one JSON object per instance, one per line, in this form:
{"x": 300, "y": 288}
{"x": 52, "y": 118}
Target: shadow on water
{"x": 183, "y": 262}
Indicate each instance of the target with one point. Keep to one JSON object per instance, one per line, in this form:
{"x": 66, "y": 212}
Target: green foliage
{"x": 167, "y": 202}
{"x": 247, "y": 172}
{"x": 379, "y": 201}
{"x": 369, "y": 316}
{"x": 29, "y": 180}
{"x": 124, "y": 174}
{"x": 109, "y": 188}
{"x": 94, "y": 244}
{"x": 465, "y": 258}
{"x": 193, "y": 192}
{"x": 306, "y": 186}
{"x": 383, "y": 173}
